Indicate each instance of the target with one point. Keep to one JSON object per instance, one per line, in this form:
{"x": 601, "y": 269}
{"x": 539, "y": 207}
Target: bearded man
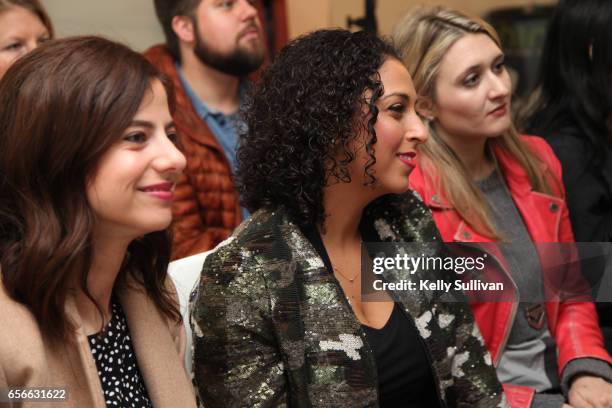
{"x": 211, "y": 45}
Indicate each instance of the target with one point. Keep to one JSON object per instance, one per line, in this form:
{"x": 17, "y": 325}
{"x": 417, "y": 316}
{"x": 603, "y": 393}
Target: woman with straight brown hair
{"x": 87, "y": 171}
{"x": 24, "y": 25}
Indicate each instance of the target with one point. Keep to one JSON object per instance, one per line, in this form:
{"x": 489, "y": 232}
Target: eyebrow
{"x": 400, "y": 94}
{"x": 149, "y": 125}
{"x": 473, "y": 67}
{"x": 19, "y": 37}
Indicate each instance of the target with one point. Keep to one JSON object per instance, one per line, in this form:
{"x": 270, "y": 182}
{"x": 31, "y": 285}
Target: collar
{"x": 201, "y": 107}
{"x": 514, "y": 175}
{"x": 399, "y": 218}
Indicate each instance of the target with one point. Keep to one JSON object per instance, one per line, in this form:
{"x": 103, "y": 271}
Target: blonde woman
{"x": 484, "y": 183}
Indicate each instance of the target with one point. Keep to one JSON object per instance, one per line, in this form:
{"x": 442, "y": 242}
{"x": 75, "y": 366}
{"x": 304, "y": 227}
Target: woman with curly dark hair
{"x": 278, "y": 315}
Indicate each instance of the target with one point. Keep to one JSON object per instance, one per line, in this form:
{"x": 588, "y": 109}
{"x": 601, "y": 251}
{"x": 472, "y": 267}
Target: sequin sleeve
{"x": 236, "y": 358}
{"x": 475, "y": 383}
{"x": 447, "y": 326}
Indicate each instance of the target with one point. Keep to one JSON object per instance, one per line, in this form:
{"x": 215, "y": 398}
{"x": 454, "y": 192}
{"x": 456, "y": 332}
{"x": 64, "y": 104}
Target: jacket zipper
{"x": 512, "y": 311}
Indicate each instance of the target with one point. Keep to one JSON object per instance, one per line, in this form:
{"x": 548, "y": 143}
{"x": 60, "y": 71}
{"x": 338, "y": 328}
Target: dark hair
{"x": 63, "y": 106}
{"x": 32, "y": 5}
{"x": 308, "y": 104}
{"x": 576, "y": 72}
{"x": 166, "y": 10}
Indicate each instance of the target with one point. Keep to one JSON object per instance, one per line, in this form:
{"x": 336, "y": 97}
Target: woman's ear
{"x": 425, "y": 107}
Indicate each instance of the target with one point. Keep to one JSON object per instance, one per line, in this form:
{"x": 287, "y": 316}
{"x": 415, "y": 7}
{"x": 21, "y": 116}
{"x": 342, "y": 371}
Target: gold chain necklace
{"x": 337, "y": 270}
{"x": 351, "y": 280}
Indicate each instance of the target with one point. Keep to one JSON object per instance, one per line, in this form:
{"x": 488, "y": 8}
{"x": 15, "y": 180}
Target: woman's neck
{"x": 343, "y": 209}
{"x": 108, "y": 256}
{"x": 473, "y": 153}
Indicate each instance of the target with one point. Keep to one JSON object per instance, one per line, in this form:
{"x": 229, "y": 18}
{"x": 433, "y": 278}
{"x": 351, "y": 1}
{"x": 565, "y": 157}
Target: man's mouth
{"x": 250, "y": 32}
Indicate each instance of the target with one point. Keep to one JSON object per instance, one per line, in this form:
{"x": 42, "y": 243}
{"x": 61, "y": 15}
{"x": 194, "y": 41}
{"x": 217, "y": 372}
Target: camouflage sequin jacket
{"x": 272, "y": 326}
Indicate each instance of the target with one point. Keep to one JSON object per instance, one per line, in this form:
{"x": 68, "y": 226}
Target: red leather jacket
{"x": 574, "y": 325}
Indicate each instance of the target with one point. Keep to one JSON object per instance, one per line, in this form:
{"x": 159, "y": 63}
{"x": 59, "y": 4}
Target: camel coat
{"x": 27, "y": 360}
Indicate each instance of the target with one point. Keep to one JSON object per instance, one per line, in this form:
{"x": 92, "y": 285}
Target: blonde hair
{"x": 422, "y": 38}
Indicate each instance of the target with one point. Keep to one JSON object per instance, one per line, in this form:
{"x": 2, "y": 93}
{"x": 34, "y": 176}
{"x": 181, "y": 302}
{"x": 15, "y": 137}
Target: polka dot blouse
{"x": 116, "y": 362}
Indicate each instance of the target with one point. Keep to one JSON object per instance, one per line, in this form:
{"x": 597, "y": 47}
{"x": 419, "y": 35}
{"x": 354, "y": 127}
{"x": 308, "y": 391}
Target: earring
{"x": 428, "y": 119}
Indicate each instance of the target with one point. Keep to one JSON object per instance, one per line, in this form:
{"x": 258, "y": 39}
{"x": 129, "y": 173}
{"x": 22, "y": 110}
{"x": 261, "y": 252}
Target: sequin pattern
{"x": 272, "y": 326}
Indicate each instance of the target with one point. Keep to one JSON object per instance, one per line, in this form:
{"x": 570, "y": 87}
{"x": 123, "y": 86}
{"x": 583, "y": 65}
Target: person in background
{"x": 278, "y": 315}
{"x": 87, "y": 175}
{"x": 484, "y": 183}
{"x": 210, "y": 47}
{"x": 572, "y": 110}
{"x": 24, "y": 25}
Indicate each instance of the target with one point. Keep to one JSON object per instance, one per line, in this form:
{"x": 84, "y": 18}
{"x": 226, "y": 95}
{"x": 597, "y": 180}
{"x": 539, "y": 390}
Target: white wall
{"x": 134, "y": 21}
{"x": 307, "y": 15}
{"x": 130, "y": 21}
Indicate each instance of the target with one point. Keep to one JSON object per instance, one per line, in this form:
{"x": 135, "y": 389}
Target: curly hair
{"x": 310, "y": 104}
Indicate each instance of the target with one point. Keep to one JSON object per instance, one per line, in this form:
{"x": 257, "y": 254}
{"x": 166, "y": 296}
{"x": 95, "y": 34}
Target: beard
{"x": 239, "y": 63}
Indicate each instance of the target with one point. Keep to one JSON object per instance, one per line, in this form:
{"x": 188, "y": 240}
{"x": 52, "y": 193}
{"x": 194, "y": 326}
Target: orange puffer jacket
{"x": 206, "y": 208}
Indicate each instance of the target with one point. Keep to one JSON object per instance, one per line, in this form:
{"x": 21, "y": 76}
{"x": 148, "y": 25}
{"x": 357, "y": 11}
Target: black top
{"x": 588, "y": 183}
{"x": 404, "y": 373}
{"x": 112, "y": 350}
{"x": 588, "y": 186}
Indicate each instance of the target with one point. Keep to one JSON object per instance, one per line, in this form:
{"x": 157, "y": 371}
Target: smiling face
{"x": 228, "y": 36}
{"x": 398, "y": 130}
{"x": 472, "y": 91}
{"x": 131, "y": 192}
{"x": 20, "y": 32}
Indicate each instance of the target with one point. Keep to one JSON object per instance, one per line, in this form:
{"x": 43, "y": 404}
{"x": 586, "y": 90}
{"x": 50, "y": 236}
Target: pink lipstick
{"x": 408, "y": 158}
{"x": 163, "y": 191}
{"x": 499, "y": 111}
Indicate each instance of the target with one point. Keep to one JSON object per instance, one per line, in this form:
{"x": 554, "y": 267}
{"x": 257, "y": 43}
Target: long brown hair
{"x": 63, "y": 106}
{"x": 32, "y": 5}
{"x": 422, "y": 38}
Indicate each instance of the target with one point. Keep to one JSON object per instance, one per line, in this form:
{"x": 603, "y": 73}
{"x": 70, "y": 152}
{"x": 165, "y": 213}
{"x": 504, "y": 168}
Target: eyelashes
{"x": 473, "y": 79}
{"x": 136, "y": 137}
{"x": 142, "y": 137}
